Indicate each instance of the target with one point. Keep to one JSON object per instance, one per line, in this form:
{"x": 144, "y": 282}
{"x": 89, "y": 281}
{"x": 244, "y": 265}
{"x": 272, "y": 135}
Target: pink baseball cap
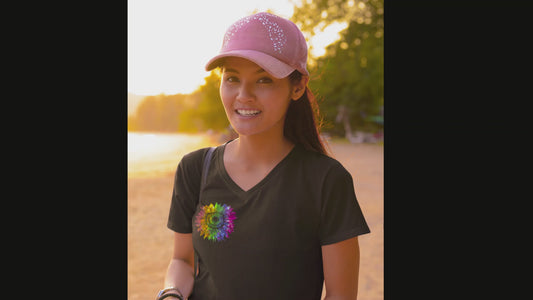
{"x": 275, "y": 44}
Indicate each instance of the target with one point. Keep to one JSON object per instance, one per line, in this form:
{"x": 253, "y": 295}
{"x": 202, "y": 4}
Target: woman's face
{"x": 255, "y": 101}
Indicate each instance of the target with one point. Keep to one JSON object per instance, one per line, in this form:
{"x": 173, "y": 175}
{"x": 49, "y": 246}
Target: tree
{"x": 349, "y": 77}
{"x": 200, "y": 111}
{"x": 210, "y": 108}
{"x": 146, "y": 116}
{"x": 158, "y": 113}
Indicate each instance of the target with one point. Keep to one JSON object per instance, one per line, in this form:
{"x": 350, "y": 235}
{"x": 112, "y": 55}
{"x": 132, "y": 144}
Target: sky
{"x": 169, "y": 41}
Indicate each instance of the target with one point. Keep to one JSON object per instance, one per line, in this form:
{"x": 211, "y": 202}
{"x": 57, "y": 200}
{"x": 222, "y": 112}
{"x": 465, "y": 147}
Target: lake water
{"x": 157, "y": 154}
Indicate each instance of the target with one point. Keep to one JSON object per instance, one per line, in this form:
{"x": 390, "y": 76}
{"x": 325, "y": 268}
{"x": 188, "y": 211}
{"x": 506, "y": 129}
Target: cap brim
{"x": 272, "y": 65}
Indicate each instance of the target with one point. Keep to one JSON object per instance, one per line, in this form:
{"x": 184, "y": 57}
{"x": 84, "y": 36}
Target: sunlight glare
{"x": 325, "y": 37}
{"x": 170, "y": 41}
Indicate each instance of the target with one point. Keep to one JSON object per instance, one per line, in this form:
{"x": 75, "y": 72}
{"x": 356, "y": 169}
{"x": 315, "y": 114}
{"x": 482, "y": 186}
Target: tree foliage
{"x": 350, "y": 74}
{"x": 199, "y": 111}
{"x": 157, "y": 113}
{"x": 210, "y": 107}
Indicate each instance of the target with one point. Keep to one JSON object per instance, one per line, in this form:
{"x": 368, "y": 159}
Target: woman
{"x": 275, "y": 217}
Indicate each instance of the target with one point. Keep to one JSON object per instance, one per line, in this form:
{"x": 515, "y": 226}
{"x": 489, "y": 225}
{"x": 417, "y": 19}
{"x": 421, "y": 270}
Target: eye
{"x": 232, "y": 79}
{"x": 265, "y": 80}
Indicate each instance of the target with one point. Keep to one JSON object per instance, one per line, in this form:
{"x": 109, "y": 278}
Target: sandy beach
{"x": 150, "y": 241}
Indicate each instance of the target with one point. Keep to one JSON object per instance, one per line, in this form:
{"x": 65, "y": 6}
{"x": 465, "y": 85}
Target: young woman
{"x": 275, "y": 216}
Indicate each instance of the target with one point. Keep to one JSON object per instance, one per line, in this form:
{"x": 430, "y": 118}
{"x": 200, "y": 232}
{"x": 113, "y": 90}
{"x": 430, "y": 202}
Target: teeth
{"x": 248, "y": 112}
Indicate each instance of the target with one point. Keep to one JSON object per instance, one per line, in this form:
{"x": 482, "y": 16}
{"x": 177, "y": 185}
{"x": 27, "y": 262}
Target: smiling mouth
{"x": 247, "y": 112}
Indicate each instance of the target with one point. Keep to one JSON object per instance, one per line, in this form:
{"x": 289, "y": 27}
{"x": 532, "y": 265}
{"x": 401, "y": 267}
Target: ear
{"x": 299, "y": 89}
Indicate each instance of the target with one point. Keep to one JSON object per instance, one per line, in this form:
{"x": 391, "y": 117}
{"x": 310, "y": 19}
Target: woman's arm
{"x": 341, "y": 269}
{"x": 180, "y": 272}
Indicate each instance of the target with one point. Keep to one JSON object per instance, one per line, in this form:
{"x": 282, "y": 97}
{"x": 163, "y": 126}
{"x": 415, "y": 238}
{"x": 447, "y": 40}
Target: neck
{"x": 261, "y": 149}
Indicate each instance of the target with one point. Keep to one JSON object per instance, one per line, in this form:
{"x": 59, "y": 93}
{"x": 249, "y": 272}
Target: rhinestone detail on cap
{"x": 275, "y": 32}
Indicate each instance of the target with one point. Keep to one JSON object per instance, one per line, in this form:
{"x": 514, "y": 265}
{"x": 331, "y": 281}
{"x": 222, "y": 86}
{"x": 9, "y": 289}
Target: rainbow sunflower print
{"x": 215, "y": 221}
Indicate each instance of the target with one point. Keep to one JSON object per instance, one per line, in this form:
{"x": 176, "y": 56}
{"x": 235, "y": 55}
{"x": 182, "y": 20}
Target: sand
{"x": 150, "y": 242}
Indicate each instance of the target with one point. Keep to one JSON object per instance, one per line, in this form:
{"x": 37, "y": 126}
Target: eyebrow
{"x": 261, "y": 70}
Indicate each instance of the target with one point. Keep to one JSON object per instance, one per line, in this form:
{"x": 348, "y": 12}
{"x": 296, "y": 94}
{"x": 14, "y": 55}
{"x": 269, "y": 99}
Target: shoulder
{"x": 320, "y": 161}
{"x": 321, "y": 165}
{"x": 193, "y": 159}
{"x": 190, "y": 166}
{"x": 195, "y": 155}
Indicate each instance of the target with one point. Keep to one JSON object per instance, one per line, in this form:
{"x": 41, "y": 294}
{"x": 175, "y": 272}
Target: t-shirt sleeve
{"x": 341, "y": 215}
{"x": 185, "y": 192}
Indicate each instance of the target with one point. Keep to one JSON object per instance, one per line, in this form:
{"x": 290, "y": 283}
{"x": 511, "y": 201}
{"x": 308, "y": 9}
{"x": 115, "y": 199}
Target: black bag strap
{"x": 207, "y": 163}
{"x": 205, "y": 169}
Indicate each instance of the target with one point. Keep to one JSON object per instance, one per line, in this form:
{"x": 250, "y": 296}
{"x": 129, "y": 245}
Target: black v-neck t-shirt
{"x": 264, "y": 243}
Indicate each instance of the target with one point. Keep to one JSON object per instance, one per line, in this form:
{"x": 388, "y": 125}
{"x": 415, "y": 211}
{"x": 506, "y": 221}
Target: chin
{"x": 245, "y": 132}
{"x": 256, "y": 127}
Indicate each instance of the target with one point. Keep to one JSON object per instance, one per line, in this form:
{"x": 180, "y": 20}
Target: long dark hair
{"x": 302, "y": 122}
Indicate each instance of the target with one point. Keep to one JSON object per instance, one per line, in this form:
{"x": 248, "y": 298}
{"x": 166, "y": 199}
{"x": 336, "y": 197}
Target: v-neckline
{"x": 237, "y": 188}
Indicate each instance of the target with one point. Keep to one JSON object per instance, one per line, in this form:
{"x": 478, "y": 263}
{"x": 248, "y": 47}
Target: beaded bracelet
{"x": 161, "y": 292}
{"x": 171, "y": 295}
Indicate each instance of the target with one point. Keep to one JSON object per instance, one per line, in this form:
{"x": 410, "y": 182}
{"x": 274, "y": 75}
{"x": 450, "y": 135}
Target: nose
{"x": 245, "y": 93}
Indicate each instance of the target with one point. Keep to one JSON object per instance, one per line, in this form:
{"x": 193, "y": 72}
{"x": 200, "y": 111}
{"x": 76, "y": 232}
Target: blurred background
{"x": 174, "y": 107}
